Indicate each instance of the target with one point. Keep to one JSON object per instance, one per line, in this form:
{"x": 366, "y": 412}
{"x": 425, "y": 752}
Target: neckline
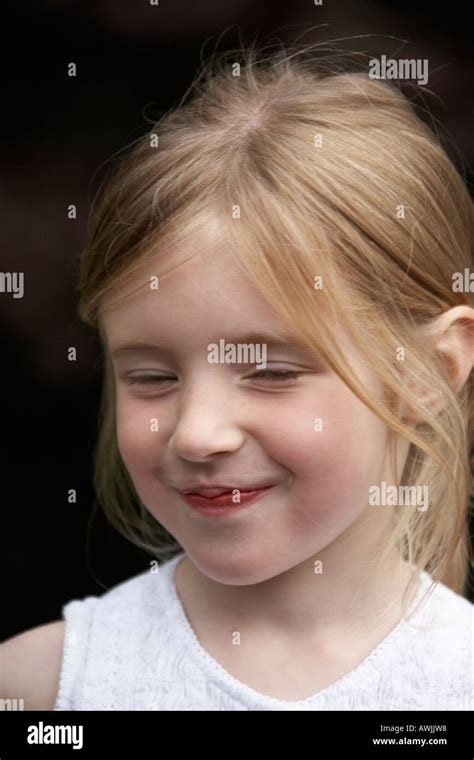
{"x": 209, "y": 663}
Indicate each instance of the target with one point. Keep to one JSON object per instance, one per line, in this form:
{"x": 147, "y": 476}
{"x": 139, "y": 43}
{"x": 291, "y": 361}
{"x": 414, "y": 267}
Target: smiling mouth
{"x": 211, "y": 492}
{"x": 223, "y": 502}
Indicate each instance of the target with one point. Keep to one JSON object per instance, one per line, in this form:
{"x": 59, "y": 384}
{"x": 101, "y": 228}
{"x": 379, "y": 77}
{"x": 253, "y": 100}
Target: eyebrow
{"x": 271, "y": 339}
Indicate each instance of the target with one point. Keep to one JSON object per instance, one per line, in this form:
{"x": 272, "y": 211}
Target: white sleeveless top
{"x": 133, "y": 648}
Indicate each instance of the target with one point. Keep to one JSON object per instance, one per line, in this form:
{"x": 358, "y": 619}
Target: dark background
{"x": 134, "y": 62}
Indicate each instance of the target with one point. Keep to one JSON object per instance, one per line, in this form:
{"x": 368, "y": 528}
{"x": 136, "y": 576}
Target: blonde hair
{"x": 319, "y": 159}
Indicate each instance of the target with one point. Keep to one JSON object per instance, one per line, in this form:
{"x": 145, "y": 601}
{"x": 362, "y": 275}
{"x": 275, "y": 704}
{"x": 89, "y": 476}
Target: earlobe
{"x": 429, "y": 398}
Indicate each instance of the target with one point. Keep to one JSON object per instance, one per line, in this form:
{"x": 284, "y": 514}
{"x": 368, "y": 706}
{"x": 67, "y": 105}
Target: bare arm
{"x": 30, "y": 664}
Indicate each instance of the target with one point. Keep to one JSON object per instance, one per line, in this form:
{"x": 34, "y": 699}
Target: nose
{"x": 206, "y": 426}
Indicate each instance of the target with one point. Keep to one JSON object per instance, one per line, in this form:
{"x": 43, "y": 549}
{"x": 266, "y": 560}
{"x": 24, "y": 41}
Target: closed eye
{"x": 277, "y": 374}
{"x": 274, "y": 375}
{"x": 147, "y": 379}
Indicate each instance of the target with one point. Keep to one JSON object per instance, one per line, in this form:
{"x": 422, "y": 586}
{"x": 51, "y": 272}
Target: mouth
{"x": 213, "y": 491}
{"x": 222, "y": 500}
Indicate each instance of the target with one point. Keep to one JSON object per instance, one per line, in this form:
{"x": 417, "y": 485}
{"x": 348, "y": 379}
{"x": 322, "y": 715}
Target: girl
{"x": 307, "y": 511}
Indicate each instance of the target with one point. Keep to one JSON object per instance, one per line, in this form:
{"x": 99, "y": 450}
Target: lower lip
{"x": 223, "y": 504}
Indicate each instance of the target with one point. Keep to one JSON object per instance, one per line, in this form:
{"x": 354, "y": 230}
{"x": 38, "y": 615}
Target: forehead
{"x": 189, "y": 298}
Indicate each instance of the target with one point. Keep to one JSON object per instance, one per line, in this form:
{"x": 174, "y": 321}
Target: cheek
{"x": 140, "y": 449}
{"x": 135, "y": 438}
{"x": 334, "y": 466}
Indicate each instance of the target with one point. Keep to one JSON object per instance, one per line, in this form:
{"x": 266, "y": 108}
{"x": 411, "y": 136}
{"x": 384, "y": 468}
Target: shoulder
{"x": 69, "y": 664}
{"x": 36, "y": 665}
{"x": 30, "y": 664}
{"x": 449, "y": 612}
{"x": 439, "y": 647}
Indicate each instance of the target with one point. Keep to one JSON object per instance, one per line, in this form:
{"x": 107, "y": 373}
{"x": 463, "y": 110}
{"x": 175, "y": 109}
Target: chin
{"x": 239, "y": 570}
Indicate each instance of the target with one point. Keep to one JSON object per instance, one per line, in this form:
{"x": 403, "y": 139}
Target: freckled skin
{"x": 216, "y": 424}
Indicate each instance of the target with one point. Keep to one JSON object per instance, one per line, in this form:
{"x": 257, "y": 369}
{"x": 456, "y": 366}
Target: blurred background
{"x": 134, "y": 62}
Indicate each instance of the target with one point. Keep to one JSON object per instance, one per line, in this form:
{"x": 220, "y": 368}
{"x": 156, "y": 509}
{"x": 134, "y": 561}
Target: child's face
{"x": 223, "y": 424}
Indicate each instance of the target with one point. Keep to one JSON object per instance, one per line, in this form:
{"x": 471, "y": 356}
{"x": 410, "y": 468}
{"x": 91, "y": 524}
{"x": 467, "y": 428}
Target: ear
{"x": 455, "y": 344}
{"x": 452, "y": 336}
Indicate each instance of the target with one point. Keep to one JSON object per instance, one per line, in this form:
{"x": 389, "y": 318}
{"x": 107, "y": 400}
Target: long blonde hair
{"x": 334, "y": 175}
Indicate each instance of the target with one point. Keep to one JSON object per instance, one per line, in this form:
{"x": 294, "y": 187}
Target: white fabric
{"x": 133, "y": 648}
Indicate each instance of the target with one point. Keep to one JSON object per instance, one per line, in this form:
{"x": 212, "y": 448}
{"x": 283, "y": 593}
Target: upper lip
{"x": 215, "y": 489}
